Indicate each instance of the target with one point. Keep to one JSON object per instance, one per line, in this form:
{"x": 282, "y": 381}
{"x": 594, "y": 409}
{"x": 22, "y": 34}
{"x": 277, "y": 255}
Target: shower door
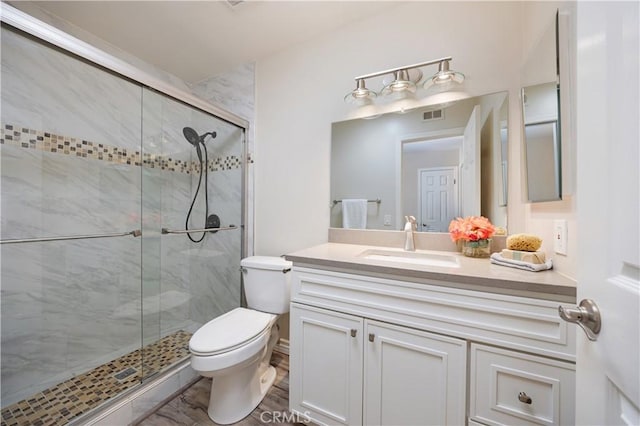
{"x": 185, "y": 283}
{"x": 95, "y": 297}
{"x": 70, "y": 194}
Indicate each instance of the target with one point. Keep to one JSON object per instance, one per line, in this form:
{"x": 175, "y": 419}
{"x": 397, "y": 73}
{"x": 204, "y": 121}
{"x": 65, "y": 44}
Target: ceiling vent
{"x": 436, "y": 114}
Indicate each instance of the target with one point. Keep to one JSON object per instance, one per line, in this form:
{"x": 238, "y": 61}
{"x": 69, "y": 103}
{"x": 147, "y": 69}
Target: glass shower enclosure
{"x": 101, "y": 288}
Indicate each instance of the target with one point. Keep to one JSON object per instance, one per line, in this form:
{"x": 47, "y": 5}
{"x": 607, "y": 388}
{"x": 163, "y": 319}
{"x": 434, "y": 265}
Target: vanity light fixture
{"x": 402, "y": 81}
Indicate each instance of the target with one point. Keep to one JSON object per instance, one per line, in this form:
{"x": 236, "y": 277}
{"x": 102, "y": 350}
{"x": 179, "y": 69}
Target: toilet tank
{"x": 267, "y": 283}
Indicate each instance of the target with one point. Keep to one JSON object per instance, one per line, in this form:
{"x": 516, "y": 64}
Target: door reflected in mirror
{"x": 542, "y": 142}
{"x": 435, "y": 163}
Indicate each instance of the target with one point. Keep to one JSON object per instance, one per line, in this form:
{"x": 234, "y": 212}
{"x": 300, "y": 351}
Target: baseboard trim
{"x": 282, "y": 346}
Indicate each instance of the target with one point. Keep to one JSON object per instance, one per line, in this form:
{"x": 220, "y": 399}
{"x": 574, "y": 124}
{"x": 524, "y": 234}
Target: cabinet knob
{"x": 354, "y": 332}
{"x": 523, "y": 397}
{"x": 372, "y": 337}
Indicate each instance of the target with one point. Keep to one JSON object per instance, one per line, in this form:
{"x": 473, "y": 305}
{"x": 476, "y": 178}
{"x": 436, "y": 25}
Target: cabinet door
{"x": 326, "y": 365}
{"x": 413, "y": 377}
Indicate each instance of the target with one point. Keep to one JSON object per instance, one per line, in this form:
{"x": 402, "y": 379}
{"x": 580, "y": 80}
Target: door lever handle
{"x": 586, "y": 315}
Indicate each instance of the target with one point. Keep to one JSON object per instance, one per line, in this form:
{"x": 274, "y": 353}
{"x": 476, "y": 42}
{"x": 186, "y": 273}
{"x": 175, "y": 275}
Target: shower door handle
{"x": 134, "y": 233}
{"x": 188, "y": 231}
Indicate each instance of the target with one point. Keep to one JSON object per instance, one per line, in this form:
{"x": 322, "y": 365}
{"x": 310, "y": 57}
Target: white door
{"x": 326, "y": 365}
{"x": 438, "y": 198}
{"x": 470, "y": 167}
{"x": 608, "y": 370}
{"x": 413, "y": 377}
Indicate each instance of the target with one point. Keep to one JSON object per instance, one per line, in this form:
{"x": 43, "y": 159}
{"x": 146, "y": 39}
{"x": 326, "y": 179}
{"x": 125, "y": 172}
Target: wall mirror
{"x": 542, "y": 142}
{"x": 541, "y": 120}
{"x": 435, "y": 163}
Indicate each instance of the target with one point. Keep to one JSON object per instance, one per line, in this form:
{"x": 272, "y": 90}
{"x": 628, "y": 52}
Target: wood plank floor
{"x": 190, "y": 407}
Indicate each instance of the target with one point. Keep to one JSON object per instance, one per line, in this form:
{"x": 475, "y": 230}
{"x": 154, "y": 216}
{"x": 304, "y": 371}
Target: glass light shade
{"x": 360, "y": 95}
{"x": 444, "y": 78}
{"x": 402, "y": 82}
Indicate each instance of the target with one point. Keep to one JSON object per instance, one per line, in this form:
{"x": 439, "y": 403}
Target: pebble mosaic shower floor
{"x": 61, "y": 403}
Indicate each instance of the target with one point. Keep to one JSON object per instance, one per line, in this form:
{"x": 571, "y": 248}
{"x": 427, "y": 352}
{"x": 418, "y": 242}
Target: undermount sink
{"x": 413, "y": 258}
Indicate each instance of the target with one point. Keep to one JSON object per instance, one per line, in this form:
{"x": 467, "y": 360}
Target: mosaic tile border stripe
{"x": 23, "y": 137}
{"x": 78, "y": 395}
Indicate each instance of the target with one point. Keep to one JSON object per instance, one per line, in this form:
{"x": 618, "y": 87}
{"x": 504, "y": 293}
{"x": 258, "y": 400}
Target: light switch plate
{"x": 560, "y": 236}
{"x": 387, "y": 220}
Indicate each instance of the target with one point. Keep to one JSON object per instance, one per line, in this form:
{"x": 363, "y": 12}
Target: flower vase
{"x": 478, "y": 248}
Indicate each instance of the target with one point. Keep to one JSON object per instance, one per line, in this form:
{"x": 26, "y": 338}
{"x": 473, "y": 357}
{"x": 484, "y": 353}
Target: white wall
{"x": 300, "y": 92}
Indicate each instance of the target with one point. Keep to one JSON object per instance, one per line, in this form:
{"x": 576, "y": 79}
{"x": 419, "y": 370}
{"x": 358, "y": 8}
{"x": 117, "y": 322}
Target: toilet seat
{"x": 229, "y": 331}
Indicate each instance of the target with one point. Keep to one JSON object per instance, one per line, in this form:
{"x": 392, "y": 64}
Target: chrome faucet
{"x": 409, "y": 228}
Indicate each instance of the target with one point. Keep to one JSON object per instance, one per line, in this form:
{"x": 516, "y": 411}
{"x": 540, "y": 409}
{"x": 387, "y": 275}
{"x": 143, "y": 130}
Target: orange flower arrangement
{"x": 471, "y": 228}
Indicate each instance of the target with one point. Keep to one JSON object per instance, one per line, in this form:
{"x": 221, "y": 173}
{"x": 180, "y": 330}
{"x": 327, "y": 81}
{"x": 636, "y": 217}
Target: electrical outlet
{"x": 387, "y": 220}
{"x": 560, "y": 236}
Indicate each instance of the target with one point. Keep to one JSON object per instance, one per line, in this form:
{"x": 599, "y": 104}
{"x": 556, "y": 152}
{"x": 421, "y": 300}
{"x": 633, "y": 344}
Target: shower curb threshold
{"x": 121, "y": 408}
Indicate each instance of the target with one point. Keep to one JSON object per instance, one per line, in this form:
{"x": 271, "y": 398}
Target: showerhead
{"x": 193, "y": 138}
{"x": 191, "y": 135}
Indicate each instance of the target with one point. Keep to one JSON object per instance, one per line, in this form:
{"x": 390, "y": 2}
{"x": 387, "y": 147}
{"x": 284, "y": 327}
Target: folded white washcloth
{"x": 527, "y": 266}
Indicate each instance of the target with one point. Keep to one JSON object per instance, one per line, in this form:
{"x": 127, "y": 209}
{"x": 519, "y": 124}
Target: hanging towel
{"x": 527, "y": 266}
{"x": 354, "y": 214}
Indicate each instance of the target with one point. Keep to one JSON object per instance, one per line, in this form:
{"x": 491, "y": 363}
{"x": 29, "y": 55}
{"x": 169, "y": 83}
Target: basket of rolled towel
{"x": 523, "y": 252}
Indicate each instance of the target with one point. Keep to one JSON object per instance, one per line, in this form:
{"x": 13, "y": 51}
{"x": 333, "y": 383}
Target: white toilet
{"x": 236, "y": 347}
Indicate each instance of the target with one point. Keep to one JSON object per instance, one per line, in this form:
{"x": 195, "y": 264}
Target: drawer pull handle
{"x": 523, "y": 397}
{"x": 354, "y": 332}
{"x": 372, "y": 337}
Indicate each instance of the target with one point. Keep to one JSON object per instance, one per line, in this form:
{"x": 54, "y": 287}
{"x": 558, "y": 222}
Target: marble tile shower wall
{"x": 71, "y": 142}
{"x": 235, "y": 92}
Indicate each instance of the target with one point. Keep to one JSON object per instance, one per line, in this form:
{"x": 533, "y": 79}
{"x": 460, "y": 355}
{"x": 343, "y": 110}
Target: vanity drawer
{"x": 513, "y": 388}
{"x": 524, "y": 324}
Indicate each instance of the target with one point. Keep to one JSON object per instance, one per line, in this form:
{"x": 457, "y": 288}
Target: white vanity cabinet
{"x": 348, "y": 370}
{"x": 325, "y": 365}
{"x": 368, "y": 350}
{"x": 412, "y": 377}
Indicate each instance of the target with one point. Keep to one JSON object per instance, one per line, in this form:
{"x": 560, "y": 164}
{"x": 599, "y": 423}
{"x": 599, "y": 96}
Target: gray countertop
{"x": 473, "y": 274}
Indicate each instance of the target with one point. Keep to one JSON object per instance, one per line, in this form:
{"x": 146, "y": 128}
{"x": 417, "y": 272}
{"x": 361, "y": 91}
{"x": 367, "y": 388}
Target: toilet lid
{"x": 229, "y": 331}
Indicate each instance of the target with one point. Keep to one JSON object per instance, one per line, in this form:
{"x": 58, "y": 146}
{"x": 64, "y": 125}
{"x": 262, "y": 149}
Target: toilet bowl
{"x": 235, "y": 348}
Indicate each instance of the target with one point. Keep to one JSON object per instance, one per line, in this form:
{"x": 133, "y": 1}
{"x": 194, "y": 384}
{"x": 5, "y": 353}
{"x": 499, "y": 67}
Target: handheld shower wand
{"x": 194, "y": 139}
